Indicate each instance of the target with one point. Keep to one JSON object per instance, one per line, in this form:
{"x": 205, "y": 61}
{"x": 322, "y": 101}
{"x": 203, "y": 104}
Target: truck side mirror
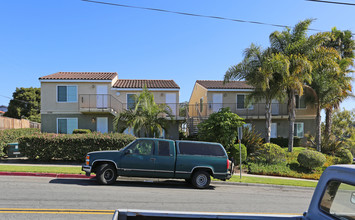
{"x": 129, "y": 151}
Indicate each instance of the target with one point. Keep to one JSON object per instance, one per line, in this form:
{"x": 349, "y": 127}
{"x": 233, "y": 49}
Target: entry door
{"x": 170, "y": 100}
{"x": 275, "y": 107}
{"x": 102, "y": 124}
{"x": 273, "y": 130}
{"x": 217, "y": 102}
{"x": 101, "y": 97}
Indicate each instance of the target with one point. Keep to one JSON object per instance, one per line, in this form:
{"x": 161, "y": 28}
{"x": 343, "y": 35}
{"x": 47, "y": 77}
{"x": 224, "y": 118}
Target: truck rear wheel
{"x": 201, "y": 179}
{"x": 106, "y": 174}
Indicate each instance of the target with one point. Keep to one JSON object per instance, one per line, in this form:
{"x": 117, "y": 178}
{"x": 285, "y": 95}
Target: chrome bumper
{"x": 86, "y": 168}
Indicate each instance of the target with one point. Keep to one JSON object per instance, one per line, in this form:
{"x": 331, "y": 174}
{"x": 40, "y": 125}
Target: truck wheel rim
{"x": 201, "y": 180}
{"x": 108, "y": 175}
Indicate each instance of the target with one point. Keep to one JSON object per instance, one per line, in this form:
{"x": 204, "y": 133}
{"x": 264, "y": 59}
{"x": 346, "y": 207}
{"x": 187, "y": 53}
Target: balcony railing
{"x": 99, "y": 103}
{"x": 174, "y": 107}
{"x": 255, "y": 110}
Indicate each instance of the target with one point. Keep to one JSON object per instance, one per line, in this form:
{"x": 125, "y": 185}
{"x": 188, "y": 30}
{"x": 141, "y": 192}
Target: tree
{"x": 221, "y": 127}
{"x": 147, "y": 117}
{"x": 343, "y": 42}
{"x": 295, "y": 46}
{"x": 260, "y": 68}
{"x": 25, "y": 103}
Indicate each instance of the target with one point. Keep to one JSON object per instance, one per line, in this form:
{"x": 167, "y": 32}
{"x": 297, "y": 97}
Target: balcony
{"x": 255, "y": 111}
{"x": 97, "y": 103}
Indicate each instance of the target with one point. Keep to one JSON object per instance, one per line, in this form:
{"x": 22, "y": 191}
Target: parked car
{"x": 333, "y": 199}
{"x": 193, "y": 161}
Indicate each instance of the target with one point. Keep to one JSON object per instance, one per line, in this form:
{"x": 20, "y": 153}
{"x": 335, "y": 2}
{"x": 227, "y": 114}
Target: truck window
{"x": 339, "y": 200}
{"x": 164, "y": 148}
{"x": 143, "y": 147}
{"x": 205, "y": 149}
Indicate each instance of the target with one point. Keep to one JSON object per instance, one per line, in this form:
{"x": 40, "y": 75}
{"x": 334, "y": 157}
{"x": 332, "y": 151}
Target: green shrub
{"x": 234, "y": 153}
{"x": 12, "y": 135}
{"x": 47, "y": 146}
{"x": 283, "y": 142}
{"x": 311, "y": 159}
{"x": 269, "y": 169}
{"x": 81, "y": 131}
{"x": 345, "y": 156}
{"x": 251, "y": 139}
{"x": 269, "y": 154}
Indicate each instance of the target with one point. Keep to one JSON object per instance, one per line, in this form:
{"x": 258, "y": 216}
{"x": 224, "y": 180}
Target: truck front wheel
{"x": 201, "y": 179}
{"x": 106, "y": 174}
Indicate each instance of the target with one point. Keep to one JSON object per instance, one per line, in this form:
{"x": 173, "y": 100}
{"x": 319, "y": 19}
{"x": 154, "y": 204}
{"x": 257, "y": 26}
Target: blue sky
{"x": 41, "y": 37}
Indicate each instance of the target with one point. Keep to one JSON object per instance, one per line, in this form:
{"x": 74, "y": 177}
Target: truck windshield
{"x": 339, "y": 200}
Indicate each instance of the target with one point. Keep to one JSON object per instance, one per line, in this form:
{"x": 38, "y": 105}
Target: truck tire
{"x": 106, "y": 174}
{"x": 201, "y": 179}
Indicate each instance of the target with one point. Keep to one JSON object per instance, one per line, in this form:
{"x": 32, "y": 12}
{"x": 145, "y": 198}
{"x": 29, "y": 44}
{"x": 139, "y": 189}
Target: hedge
{"x": 269, "y": 154}
{"x": 311, "y": 159}
{"x": 234, "y": 153}
{"x": 74, "y": 147}
{"x": 283, "y": 142}
{"x": 345, "y": 156}
{"x": 12, "y": 135}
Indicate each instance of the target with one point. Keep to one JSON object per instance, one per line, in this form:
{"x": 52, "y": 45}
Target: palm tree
{"x": 260, "y": 69}
{"x": 147, "y": 117}
{"x": 296, "y": 47}
{"x": 325, "y": 75}
{"x": 343, "y": 42}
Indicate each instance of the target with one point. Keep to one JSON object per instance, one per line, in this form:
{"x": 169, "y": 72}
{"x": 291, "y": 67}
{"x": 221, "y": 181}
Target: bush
{"x": 47, "y": 147}
{"x": 283, "y": 142}
{"x": 345, "y": 156}
{"x": 251, "y": 139}
{"x": 311, "y": 159}
{"x": 269, "y": 154}
{"x": 234, "y": 153}
{"x": 81, "y": 131}
{"x": 12, "y": 135}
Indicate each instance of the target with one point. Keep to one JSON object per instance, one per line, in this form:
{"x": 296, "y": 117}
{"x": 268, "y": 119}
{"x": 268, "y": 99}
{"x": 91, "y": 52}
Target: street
{"x": 85, "y": 199}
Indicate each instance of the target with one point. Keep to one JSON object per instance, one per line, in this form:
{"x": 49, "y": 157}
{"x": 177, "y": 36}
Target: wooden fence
{"x": 11, "y": 123}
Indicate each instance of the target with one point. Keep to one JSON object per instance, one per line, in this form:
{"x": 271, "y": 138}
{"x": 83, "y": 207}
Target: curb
{"x": 55, "y": 175}
{"x": 262, "y": 185}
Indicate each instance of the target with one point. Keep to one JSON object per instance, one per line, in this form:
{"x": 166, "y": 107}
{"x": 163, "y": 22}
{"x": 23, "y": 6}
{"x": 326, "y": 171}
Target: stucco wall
{"x": 198, "y": 92}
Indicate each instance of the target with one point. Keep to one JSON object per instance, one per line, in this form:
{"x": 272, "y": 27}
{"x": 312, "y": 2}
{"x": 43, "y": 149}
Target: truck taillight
{"x": 228, "y": 164}
{"x": 87, "y": 161}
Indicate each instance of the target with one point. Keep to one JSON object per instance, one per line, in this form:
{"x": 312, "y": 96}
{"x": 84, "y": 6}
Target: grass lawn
{"x": 275, "y": 181}
{"x": 41, "y": 169}
{"x": 77, "y": 170}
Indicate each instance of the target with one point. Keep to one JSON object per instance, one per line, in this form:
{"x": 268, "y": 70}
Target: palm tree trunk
{"x": 328, "y": 122}
{"x": 291, "y": 118}
{"x": 318, "y": 128}
{"x": 267, "y": 121}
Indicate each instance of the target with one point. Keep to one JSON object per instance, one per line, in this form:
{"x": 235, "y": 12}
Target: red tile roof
{"x": 140, "y": 83}
{"x": 218, "y": 84}
{"x": 80, "y": 76}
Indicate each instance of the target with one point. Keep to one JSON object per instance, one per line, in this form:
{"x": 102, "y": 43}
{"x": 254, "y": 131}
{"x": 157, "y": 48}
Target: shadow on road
{"x": 176, "y": 184}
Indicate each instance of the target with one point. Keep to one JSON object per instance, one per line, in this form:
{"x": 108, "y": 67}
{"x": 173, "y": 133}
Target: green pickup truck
{"x": 193, "y": 161}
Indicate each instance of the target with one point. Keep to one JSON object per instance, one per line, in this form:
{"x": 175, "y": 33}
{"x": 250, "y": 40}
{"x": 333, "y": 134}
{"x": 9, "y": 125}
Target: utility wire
{"x": 196, "y": 15}
{"x": 26, "y": 102}
{"x": 331, "y": 2}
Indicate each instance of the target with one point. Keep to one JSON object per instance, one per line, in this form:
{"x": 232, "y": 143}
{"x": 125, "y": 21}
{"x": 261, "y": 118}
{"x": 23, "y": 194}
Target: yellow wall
{"x": 198, "y": 92}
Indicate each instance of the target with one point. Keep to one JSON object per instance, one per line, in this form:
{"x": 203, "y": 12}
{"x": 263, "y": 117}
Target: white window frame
{"x": 295, "y": 129}
{"x": 56, "y": 98}
{"x": 77, "y": 124}
{"x": 249, "y": 107}
{"x": 127, "y": 98}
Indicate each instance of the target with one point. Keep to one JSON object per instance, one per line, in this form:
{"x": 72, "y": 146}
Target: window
{"x": 164, "y": 148}
{"x": 241, "y": 102}
{"x": 339, "y": 200}
{"x": 142, "y": 147}
{"x": 67, "y": 93}
{"x": 299, "y": 129}
{"x": 273, "y": 130}
{"x": 300, "y": 102}
{"x": 248, "y": 125}
{"x": 201, "y": 104}
{"x": 131, "y": 101}
{"x": 66, "y": 125}
{"x": 190, "y": 148}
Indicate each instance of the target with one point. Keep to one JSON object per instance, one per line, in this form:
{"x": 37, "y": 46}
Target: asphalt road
{"x": 85, "y": 199}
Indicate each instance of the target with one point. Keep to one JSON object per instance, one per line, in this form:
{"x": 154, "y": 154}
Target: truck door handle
{"x": 153, "y": 159}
